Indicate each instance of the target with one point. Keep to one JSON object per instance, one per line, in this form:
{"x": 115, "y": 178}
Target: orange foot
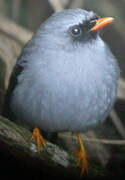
{"x": 40, "y": 141}
{"x": 82, "y": 161}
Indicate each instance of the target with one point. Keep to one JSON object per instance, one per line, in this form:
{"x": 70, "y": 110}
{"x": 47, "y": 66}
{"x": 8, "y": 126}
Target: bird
{"x": 65, "y": 78}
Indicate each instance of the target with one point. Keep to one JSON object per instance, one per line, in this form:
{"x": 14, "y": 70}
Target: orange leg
{"x": 40, "y": 141}
{"x": 82, "y": 161}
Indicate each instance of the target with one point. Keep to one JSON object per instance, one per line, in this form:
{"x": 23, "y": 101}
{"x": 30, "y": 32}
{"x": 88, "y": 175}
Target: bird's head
{"x": 73, "y": 25}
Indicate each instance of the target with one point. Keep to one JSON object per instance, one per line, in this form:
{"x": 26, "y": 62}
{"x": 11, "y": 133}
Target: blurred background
{"x": 20, "y": 18}
{"x": 31, "y": 13}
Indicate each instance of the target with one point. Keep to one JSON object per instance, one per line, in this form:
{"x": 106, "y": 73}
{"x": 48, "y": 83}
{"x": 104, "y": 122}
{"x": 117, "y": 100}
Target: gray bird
{"x": 66, "y": 77}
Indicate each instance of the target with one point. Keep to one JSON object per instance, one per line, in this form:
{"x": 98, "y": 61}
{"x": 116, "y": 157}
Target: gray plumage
{"x": 67, "y": 83}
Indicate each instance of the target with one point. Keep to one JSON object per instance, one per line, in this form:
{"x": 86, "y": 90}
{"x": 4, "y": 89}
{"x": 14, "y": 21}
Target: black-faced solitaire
{"x": 66, "y": 77}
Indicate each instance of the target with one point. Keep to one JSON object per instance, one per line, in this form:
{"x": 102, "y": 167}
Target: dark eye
{"x": 76, "y": 31}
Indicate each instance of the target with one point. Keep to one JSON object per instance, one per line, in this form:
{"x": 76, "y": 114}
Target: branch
{"x": 14, "y": 31}
{"x": 118, "y": 124}
{"x": 18, "y": 140}
{"x": 56, "y": 5}
{"x": 121, "y": 89}
{"x": 96, "y": 140}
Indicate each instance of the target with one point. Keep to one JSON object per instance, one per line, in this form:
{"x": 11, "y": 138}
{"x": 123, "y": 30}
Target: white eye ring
{"x": 76, "y": 31}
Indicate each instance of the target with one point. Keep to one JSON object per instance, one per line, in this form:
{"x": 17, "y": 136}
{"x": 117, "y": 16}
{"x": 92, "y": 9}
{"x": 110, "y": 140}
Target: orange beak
{"x": 101, "y": 23}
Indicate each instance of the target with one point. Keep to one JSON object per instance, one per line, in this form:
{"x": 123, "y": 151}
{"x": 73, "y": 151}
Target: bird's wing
{"x": 18, "y": 68}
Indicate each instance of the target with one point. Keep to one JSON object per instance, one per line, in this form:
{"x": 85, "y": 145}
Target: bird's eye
{"x": 76, "y": 31}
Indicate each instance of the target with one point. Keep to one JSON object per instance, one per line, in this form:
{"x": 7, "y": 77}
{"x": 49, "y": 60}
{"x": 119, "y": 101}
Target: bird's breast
{"x": 69, "y": 95}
